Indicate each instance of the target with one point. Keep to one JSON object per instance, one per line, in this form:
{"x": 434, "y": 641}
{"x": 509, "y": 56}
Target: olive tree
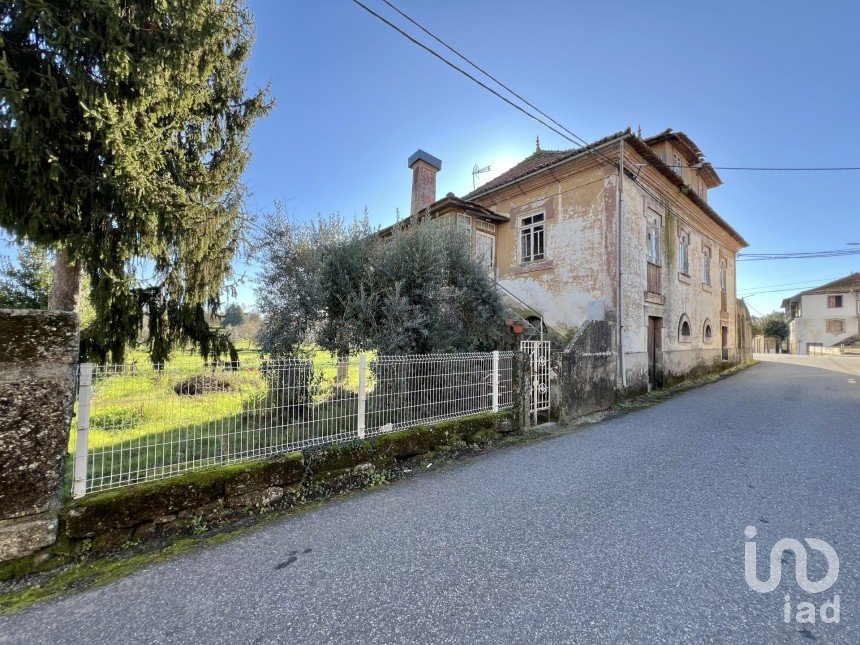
{"x": 337, "y": 285}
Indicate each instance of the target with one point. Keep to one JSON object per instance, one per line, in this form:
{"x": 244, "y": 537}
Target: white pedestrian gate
{"x": 537, "y": 353}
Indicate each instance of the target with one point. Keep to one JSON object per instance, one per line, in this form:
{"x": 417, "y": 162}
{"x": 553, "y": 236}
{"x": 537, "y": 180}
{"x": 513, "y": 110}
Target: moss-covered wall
{"x": 204, "y": 498}
{"x": 38, "y": 352}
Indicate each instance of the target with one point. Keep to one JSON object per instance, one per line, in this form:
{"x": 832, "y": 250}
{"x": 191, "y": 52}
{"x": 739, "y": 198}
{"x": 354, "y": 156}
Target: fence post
{"x": 85, "y": 390}
{"x": 496, "y": 381}
{"x": 362, "y": 395}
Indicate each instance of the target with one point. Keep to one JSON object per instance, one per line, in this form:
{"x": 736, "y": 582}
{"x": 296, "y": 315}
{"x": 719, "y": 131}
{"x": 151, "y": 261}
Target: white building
{"x": 827, "y": 316}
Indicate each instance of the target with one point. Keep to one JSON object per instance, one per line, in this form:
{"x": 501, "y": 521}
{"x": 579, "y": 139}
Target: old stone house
{"x": 827, "y": 316}
{"x": 571, "y": 246}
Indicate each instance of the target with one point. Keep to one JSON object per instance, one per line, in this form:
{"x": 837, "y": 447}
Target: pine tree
{"x": 123, "y": 137}
{"x": 27, "y": 285}
{"x": 233, "y": 316}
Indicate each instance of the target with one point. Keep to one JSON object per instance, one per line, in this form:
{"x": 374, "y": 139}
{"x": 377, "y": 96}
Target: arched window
{"x": 707, "y": 332}
{"x": 684, "y": 329}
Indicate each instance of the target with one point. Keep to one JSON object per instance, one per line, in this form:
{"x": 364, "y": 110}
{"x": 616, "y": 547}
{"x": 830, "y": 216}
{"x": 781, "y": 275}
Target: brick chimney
{"x": 424, "y": 168}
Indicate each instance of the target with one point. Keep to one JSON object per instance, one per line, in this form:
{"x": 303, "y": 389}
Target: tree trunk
{"x": 66, "y": 285}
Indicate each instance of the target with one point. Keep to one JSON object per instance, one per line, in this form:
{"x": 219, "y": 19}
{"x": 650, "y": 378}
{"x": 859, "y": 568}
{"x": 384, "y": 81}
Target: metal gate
{"x": 537, "y": 353}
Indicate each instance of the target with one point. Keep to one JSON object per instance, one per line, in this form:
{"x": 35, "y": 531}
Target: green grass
{"x": 143, "y": 420}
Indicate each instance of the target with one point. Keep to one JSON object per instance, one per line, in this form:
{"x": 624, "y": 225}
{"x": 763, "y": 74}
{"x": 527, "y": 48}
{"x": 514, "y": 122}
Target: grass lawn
{"x": 147, "y": 423}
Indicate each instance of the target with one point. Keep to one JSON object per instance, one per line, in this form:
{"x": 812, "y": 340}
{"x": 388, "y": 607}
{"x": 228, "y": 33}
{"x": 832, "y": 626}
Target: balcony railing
{"x": 654, "y": 278}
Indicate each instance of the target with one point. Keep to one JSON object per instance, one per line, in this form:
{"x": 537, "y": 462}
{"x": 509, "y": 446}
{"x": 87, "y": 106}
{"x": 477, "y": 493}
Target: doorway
{"x": 655, "y": 346}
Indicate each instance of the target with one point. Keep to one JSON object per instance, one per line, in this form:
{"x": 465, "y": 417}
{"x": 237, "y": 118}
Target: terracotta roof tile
{"x": 537, "y": 161}
{"x": 842, "y": 285}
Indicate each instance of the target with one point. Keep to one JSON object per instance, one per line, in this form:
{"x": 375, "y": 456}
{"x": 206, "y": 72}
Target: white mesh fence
{"x": 137, "y": 424}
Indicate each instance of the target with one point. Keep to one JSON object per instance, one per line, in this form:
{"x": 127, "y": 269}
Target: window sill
{"x": 707, "y": 287}
{"x": 685, "y": 278}
{"x": 542, "y": 265}
{"x": 653, "y": 298}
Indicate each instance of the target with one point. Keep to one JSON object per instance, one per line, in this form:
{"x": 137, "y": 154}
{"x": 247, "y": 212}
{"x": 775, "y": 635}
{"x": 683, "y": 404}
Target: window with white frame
{"x": 652, "y": 239}
{"x": 678, "y": 164}
{"x": 684, "y": 252}
{"x": 485, "y": 250}
{"x": 724, "y": 269}
{"x": 481, "y": 225}
{"x": 706, "y": 265}
{"x": 464, "y": 222}
{"x": 532, "y": 238}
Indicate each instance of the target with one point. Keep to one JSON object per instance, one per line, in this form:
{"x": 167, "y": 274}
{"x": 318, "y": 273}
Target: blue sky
{"x": 754, "y": 84}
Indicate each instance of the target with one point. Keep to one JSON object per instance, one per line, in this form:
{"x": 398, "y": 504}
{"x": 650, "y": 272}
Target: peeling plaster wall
{"x": 580, "y": 202}
{"x": 811, "y": 325}
{"x": 682, "y": 295}
{"x": 561, "y": 286}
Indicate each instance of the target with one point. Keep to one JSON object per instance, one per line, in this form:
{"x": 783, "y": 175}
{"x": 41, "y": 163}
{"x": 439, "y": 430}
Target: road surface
{"x": 631, "y": 530}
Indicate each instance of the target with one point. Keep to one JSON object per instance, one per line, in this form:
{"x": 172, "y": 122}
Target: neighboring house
{"x": 766, "y": 344}
{"x": 827, "y": 316}
{"x": 549, "y": 229}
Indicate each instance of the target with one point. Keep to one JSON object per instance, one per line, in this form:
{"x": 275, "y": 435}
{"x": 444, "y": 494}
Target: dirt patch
{"x": 202, "y": 384}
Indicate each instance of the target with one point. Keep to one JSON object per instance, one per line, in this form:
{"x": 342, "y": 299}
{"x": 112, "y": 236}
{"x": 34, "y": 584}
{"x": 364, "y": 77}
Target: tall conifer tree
{"x": 123, "y": 138}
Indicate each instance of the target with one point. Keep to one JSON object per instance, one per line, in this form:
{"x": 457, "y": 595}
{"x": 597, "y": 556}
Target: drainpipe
{"x": 621, "y": 362}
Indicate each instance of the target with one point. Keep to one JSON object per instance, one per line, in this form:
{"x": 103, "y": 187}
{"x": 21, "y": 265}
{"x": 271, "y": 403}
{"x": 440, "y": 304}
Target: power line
{"x": 592, "y": 151}
{"x": 787, "y": 284}
{"x": 431, "y": 51}
{"x": 758, "y": 293}
{"x": 482, "y": 70}
{"x": 751, "y": 307}
{"x": 771, "y": 168}
{"x": 762, "y": 257}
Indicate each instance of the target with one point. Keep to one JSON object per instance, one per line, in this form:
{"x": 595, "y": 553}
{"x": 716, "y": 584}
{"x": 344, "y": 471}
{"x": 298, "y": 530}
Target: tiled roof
{"x": 449, "y": 202}
{"x": 542, "y": 159}
{"x": 537, "y": 161}
{"x": 842, "y": 285}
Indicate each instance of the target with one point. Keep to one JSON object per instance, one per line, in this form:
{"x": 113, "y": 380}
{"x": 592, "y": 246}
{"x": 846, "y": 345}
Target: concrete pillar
{"x": 38, "y": 357}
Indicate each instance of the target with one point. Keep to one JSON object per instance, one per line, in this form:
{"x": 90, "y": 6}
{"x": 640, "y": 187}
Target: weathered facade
{"x": 827, "y": 316}
{"x": 569, "y": 242}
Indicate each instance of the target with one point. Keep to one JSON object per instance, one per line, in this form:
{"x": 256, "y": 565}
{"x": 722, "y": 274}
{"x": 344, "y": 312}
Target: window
{"x": 481, "y": 225}
{"x": 706, "y": 266}
{"x": 834, "y": 302}
{"x": 652, "y": 239}
{"x": 835, "y": 326}
{"x": 532, "y": 238}
{"x": 465, "y": 222}
{"x": 485, "y": 246}
{"x": 707, "y": 332}
{"x": 684, "y": 253}
{"x": 678, "y": 164}
{"x": 723, "y": 273}
{"x": 684, "y": 329}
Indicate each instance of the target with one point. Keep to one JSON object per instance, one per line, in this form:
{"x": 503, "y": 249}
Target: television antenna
{"x": 478, "y": 171}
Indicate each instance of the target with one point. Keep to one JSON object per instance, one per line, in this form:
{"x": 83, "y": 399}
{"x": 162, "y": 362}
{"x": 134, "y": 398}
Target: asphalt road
{"x": 631, "y": 530}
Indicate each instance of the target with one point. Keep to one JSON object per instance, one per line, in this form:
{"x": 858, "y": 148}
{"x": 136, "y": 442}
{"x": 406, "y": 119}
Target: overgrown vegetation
{"x": 338, "y": 286}
{"x": 772, "y": 324}
{"x": 26, "y": 285}
{"x": 123, "y": 138}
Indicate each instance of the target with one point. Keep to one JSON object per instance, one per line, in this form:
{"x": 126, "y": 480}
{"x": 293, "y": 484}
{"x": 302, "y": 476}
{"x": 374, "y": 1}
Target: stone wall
{"x": 206, "y": 498}
{"x": 38, "y": 356}
{"x": 587, "y": 370}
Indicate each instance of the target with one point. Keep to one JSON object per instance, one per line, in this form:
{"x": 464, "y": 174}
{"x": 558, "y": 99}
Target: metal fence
{"x": 137, "y": 424}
